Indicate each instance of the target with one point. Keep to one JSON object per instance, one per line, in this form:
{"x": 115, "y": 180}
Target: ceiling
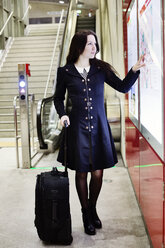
{"x": 94, "y": 4}
{"x": 88, "y": 4}
{"x": 49, "y": 1}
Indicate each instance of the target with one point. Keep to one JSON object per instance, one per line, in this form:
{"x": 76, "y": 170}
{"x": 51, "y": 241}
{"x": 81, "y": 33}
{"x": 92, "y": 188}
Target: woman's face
{"x": 90, "y": 48}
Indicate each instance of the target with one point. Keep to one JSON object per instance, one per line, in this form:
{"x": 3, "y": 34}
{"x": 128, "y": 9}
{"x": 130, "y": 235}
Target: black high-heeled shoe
{"x": 88, "y": 225}
{"x": 95, "y": 218}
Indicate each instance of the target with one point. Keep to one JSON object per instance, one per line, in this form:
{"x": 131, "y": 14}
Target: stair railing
{"x": 53, "y": 55}
{"x": 8, "y": 19}
{"x": 26, "y": 12}
{"x": 17, "y": 137}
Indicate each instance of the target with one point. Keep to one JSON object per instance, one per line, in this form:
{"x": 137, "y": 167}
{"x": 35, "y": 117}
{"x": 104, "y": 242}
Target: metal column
{"x": 23, "y": 71}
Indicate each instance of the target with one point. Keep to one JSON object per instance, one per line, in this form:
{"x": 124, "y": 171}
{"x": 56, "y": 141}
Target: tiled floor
{"x": 117, "y": 207}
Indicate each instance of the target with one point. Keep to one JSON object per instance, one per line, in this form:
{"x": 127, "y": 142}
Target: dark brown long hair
{"x": 77, "y": 47}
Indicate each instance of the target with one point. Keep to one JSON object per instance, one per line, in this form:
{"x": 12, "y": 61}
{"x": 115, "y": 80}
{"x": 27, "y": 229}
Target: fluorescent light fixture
{"x": 61, "y": 2}
{"x": 79, "y": 11}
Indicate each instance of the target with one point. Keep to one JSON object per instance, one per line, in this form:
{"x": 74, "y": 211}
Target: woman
{"x": 90, "y": 143}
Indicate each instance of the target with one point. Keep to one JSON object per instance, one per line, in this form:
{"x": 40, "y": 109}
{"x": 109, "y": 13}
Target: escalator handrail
{"x": 40, "y": 106}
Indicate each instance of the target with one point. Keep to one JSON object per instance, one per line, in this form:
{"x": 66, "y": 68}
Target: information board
{"x": 132, "y": 59}
{"x": 151, "y": 83}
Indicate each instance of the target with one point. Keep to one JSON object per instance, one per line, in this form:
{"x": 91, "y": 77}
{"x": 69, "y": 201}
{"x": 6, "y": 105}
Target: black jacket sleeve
{"x": 59, "y": 95}
{"x": 122, "y": 85}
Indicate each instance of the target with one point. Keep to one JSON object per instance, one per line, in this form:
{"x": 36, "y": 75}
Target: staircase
{"x": 35, "y": 49}
{"x": 87, "y": 23}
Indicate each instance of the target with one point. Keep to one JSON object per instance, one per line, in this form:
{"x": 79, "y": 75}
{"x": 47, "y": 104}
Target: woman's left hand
{"x": 140, "y": 63}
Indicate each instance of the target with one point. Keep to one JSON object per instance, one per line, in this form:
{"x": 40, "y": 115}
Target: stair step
{"x": 8, "y": 125}
{"x": 27, "y": 60}
{"x": 27, "y": 55}
{"x": 32, "y": 45}
{"x": 35, "y": 44}
{"x": 15, "y": 74}
{"x": 3, "y": 103}
{"x": 10, "y": 101}
{"x": 6, "y": 102}
{"x": 30, "y": 79}
{"x": 6, "y": 130}
{"x": 40, "y": 51}
{"x": 47, "y": 25}
{"x": 35, "y": 38}
{"x": 6, "y": 133}
{"x": 85, "y": 25}
{"x": 33, "y": 63}
{"x": 13, "y": 94}
{"x": 31, "y": 85}
{"x": 39, "y": 39}
{"x": 31, "y": 90}
{"x": 6, "y": 118}
{"x": 5, "y": 107}
{"x": 9, "y": 110}
{"x": 10, "y": 120}
{"x": 14, "y": 86}
{"x": 44, "y": 33}
{"x": 38, "y": 96}
{"x": 45, "y": 30}
{"x": 31, "y": 50}
{"x": 32, "y": 68}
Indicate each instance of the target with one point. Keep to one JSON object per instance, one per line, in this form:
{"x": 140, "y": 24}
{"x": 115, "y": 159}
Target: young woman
{"x": 89, "y": 140}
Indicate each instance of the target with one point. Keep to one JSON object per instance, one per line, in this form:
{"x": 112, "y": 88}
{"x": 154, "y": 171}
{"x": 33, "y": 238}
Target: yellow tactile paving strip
{"x": 9, "y": 144}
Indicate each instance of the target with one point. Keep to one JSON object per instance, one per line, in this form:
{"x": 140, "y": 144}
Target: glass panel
{"x": 49, "y": 121}
{"x": 151, "y": 97}
{"x": 132, "y": 59}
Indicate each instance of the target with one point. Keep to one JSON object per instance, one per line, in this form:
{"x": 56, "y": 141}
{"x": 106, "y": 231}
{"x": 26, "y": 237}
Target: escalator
{"x": 88, "y": 23}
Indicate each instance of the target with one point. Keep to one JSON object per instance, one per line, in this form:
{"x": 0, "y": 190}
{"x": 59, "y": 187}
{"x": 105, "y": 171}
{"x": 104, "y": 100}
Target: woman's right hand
{"x": 64, "y": 118}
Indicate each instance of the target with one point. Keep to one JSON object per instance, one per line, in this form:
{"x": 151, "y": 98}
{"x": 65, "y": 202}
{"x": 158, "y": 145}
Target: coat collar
{"x": 71, "y": 69}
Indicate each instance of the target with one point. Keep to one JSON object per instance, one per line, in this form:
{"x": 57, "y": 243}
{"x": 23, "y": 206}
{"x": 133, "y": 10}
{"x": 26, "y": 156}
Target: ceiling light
{"x": 61, "y": 2}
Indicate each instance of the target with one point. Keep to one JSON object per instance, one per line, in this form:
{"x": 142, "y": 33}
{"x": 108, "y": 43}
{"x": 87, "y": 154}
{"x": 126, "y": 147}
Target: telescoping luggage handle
{"x": 65, "y": 144}
{"x": 54, "y": 170}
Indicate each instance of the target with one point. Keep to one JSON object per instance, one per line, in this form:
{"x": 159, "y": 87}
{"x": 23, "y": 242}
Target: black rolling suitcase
{"x": 52, "y": 209}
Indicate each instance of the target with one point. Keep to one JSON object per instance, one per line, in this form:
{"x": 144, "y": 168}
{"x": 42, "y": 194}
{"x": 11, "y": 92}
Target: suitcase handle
{"x": 55, "y": 171}
{"x": 65, "y": 123}
{"x": 65, "y": 145}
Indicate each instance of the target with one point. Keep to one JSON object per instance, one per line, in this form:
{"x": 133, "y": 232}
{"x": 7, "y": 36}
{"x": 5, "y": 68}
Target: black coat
{"x": 90, "y": 143}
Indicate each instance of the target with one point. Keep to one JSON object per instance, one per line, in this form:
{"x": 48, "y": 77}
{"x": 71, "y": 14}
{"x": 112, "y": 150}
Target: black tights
{"x": 94, "y": 187}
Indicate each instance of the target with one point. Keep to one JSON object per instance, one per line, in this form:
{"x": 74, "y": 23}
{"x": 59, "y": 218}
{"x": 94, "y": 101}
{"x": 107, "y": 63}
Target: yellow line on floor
{"x": 9, "y": 144}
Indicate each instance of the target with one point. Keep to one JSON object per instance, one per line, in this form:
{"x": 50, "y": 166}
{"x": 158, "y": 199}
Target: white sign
{"x": 150, "y": 44}
{"x": 132, "y": 57}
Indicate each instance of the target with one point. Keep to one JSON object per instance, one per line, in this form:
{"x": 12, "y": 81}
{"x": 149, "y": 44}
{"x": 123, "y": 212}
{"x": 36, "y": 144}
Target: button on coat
{"x": 89, "y": 140}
